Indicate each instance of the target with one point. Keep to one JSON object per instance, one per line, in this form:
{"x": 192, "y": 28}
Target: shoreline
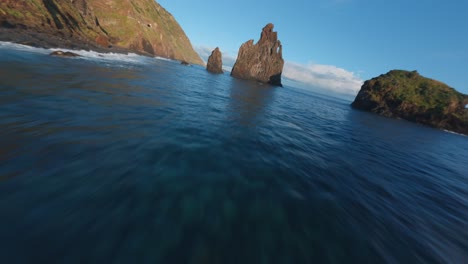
{"x": 49, "y": 41}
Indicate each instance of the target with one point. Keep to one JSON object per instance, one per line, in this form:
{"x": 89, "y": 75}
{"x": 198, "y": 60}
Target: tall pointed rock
{"x": 262, "y": 61}
{"x": 215, "y": 62}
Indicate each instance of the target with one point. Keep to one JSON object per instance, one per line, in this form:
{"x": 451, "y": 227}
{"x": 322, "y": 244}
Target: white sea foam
{"x": 93, "y": 55}
{"x": 86, "y": 55}
{"x": 21, "y": 47}
{"x": 161, "y": 58}
{"x": 451, "y": 132}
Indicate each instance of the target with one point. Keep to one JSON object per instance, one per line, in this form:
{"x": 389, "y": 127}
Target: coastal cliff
{"x": 262, "y": 61}
{"x": 141, "y": 26}
{"x": 410, "y": 96}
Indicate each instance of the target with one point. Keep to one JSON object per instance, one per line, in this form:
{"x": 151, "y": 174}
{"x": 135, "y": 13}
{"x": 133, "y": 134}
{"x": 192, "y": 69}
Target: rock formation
{"x": 262, "y": 61}
{"x": 141, "y": 26}
{"x": 215, "y": 62}
{"x": 60, "y": 53}
{"x": 410, "y": 96}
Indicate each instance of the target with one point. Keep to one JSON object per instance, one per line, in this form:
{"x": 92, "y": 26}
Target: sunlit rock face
{"x": 215, "y": 62}
{"x": 262, "y": 61}
{"x": 141, "y": 26}
{"x": 410, "y": 96}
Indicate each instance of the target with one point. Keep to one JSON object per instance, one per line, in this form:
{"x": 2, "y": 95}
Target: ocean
{"x": 112, "y": 158}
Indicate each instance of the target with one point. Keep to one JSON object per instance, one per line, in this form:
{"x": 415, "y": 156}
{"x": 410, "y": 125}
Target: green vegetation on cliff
{"x": 139, "y": 25}
{"x": 145, "y": 25}
{"x": 408, "y": 95}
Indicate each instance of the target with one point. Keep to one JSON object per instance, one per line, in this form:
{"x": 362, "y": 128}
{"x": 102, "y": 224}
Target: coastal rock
{"x": 102, "y": 41}
{"x": 141, "y": 26}
{"x": 60, "y": 53}
{"x": 215, "y": 62}
{"x": 185, "y": 63}
{"x": 410, "y": 96}
{"x": 262, "y": 61}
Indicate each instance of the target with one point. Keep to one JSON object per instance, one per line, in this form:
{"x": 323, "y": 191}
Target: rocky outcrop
{"x": 141, "y": 26}
{"x": 262, "y": 61}
{"x": 410, "y": 96}
{"x": 215, "y": 62}
{"x": 102, "y": 41}
{"x": 60, "y": 53}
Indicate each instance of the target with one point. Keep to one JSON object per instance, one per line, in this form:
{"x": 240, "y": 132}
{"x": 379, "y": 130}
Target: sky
{"x": 337, "y": 44}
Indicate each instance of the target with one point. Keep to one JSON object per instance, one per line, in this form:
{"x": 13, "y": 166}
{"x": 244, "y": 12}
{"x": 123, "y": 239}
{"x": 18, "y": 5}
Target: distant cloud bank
{"x": 326, "y": 77}
{"x": 323, "y": 76}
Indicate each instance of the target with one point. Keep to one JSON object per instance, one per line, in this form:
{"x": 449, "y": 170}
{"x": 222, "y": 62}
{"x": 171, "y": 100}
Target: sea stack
{"x": 410, "y": 96}
{"x": 215, "y": 62}
{"x": 262, "y": 61}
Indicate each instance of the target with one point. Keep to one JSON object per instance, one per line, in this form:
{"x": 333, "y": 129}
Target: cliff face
{"x": 408, "y": 95}
{"x": 262, "y": 61}
{"x": 215, "y": 62}
{"x": 138, "y": 25}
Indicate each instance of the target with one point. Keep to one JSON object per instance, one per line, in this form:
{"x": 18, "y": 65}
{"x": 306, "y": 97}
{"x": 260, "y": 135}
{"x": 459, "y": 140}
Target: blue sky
{"x": 336, "y": 44}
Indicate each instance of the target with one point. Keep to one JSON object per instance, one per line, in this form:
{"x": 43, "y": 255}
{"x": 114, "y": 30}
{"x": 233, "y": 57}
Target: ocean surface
{"x": 114, "y": 158}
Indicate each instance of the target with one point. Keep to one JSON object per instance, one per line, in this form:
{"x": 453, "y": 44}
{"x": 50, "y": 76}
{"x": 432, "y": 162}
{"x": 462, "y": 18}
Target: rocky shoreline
{"x": 140, "y": 26}
{"x": 48, "y": 41}
{"x": 143, "y": 27}
{"x": 410, "y": 96}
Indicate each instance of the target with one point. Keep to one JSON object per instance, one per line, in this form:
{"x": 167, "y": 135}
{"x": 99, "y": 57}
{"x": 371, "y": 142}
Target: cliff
{"x": 410, "y": 96}
{"x": 262, "y": 61}
{"x": 140, "y": 25}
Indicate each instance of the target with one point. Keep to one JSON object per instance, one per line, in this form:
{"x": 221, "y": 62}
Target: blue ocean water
{"x": 126, "y": 159}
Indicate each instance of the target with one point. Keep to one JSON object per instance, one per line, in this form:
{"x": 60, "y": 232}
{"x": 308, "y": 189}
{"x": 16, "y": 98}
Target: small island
{"x": 410, "y": 96}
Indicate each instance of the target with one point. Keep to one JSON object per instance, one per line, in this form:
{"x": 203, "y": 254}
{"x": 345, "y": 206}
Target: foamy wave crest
{"x": 161, "y": 58}
{"x": 93, "y": 55}
{"x": 451, "y": 132}
{"x": 21, "y": 47}
{"x": 86, "y": 55}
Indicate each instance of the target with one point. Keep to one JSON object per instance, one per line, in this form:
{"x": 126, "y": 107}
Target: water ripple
{"x": 150, "y": 161}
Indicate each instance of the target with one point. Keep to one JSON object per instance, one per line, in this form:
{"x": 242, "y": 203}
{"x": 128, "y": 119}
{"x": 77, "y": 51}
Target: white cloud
{"x": 325, "y": 77}
{"x": 204, "y": 52}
